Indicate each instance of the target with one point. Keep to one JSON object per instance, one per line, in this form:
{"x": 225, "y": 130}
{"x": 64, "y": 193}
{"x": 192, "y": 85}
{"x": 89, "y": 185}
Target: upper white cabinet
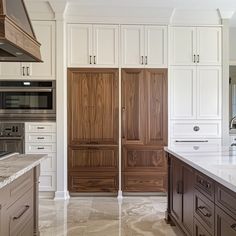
{"x": 92, "y": 45}
{"x": 45, "y": 34}
{"x": 196, "y": 92}
{"x": 196, "y": 46}
{"x": 143, "y": 46}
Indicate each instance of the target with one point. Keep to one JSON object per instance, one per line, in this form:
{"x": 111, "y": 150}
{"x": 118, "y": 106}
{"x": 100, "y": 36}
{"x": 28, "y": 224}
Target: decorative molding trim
{"x": 61, "y": 195}
{"x": 225, "y": 14}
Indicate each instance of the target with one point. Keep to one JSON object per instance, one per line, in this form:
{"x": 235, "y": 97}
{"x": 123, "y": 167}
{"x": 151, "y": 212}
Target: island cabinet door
{"x": 225, "y": 224}
{"x": 176, "y": 190}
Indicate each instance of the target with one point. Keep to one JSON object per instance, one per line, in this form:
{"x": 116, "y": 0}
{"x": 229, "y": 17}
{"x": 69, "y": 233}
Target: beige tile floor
{"x": 105, "y": 216}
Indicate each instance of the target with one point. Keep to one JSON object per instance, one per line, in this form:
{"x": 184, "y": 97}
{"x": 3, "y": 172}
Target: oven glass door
{"x": 20, "y": 101}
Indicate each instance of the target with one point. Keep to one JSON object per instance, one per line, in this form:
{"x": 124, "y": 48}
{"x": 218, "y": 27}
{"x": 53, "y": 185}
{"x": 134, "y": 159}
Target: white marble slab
{"x": 17, "y": 165}
{"x": 218, "y": 163}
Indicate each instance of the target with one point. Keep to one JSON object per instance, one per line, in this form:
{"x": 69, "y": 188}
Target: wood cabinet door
{"x": 104, "y": 107}
{"x": 133, "y": 106}
{"x": 155, "y": 46}
{"x": 105, "y": 45}
{"x": 79, "y": 107}
{"x": 132, "y": 46}
{"x": 209, "y": 45}
{"x": 224, "y": 224}
{"x": 183, "y": 46}
{"x": 188, "y": 199}
{"x": 209, "y": 92}
{"x": 79, "y": 45}
{"x": 156, "y": 116}
{"x": 45, "y": 33}
{"x": 93, "y": 106}
{"x": 183, "y": 92}
{"x": 176, "y": 189}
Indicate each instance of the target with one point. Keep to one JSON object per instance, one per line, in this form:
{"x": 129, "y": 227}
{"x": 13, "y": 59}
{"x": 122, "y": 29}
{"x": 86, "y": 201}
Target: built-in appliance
{"x": 28, "y": 100}
{"x": 11, "y": 138}
{"x": 17, "y": 37}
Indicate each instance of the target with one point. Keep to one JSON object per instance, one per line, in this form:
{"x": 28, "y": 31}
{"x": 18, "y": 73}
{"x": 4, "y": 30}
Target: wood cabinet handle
{"x": 233, "y": 226}
{"x": 22, "y": 213}
{"x": 123, "y": 122}
{"x": 201, "y": 209}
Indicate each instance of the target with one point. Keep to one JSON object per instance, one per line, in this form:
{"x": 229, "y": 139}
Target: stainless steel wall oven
{"x": 28, "y": 100}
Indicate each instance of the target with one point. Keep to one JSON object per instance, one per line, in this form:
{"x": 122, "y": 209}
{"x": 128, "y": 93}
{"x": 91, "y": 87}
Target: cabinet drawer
{"x": 204, "y": 211}
{"x": 40, "y": 148}
{"x": 49, "y": 164}
{"x": 196, "y": 130}
{"x": 42, "y": 138}
{"x": 40, "y": 127}
{"x": 93, "y": 182}
{"x": 205, "y": 185}
{"x": 225, "y": 199}
{"x": 199, "y": 230}
{"x": 20, "y": 213}
{"x": 225, "y": 224}
{"x": 144, "y": 182}
{"x": 47, "y": 181}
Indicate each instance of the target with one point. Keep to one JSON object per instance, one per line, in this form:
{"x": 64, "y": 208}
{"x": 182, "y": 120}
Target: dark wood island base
{"x": 197, "y": 204}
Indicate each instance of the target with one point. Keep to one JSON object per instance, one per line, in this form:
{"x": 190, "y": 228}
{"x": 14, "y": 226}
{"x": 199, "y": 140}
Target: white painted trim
{"x": 120, "y": 195}
{"x": 61, "y": 195}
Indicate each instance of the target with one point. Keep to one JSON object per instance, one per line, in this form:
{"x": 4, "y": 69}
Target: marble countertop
{"x": 217, "y": 162}
{"x": 16, "y": 165}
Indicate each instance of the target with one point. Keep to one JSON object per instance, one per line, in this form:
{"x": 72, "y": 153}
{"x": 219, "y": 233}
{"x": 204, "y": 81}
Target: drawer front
{"x": 196, "y": 130}
{"x": 40, "y": 127}
{"x": 49, "y": 164}
{"x": 199, "y": 230}
{"x": 20, "y": 213}
{"x": 40, "y": 148}
{"x": 225, "y": 224}
{"x": 205, "y": 185}
{"x": 21, "y": 185}
{"x": 144, "y": 182}
{"x": 93, "y": 182}
{"x": 42, "y": 138}
{"x": 47, "y": 181}
{"x": 204, "y": 211}
{"x": 144, "y": 160}
{"x": 225, "y": 199}
{"x": 93, "y": 159}
{"x": 27, "y": 230}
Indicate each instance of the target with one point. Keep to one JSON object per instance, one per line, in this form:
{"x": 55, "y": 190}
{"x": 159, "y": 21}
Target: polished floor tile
{"x": 105, "y": 216}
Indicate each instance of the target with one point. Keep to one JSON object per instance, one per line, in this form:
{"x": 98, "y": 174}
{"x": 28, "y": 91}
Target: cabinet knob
{"x": 196, "y": 128}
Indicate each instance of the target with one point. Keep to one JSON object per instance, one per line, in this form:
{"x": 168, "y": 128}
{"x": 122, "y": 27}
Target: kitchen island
{"x": 202, "y": 189}
{"x": 19, "y": 194}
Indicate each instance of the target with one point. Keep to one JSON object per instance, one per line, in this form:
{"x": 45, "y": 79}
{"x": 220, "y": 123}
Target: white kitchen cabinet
{"x": 196, "y": 46}
{"x": 143, "y": 46}
{"x": 40, "y": 138}
{"x": 45, "y": 34}
{"x": 196, "y": 92}
{"x": 92, "y": 45}
{"x": 209, "y": 92}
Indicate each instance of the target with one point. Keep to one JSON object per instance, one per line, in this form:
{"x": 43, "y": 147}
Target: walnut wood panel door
{"x": 133, "y": 106}
{"x": 92, "y": 106}
{"x": 156, "y": 96}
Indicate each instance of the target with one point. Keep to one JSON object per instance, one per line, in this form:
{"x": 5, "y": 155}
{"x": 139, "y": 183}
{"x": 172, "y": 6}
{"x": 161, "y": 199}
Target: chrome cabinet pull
{"x": 90, "y": 60}
{"x": 40, "y": 138}
{"x": 22, "y": 213}
{"x": 40, "y": 127}
{"x": 198, "y": 58}
{"x": 194, "y": 58}
{"x": 40, "y": 148}
{"x": 146, "y": 60}
{"x": 94, "y": 60}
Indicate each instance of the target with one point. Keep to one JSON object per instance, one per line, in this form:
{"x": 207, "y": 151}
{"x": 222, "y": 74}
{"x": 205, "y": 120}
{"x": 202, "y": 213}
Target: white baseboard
{"x": 61, "y": 195}
{"x": 120, "y": 195}
{"x": 46, "y": 195}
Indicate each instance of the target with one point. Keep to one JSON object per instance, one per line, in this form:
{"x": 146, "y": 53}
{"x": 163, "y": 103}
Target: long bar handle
{"x": 22, "y": 213}
{"x": 123, "y": 122}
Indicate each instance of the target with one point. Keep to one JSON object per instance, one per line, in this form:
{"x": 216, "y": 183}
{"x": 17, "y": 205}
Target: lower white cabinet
{"x": 40, "y": 138}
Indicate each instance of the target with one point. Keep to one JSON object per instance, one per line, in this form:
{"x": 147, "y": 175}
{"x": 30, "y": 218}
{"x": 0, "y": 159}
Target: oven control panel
{"x": 11, "y": 129}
